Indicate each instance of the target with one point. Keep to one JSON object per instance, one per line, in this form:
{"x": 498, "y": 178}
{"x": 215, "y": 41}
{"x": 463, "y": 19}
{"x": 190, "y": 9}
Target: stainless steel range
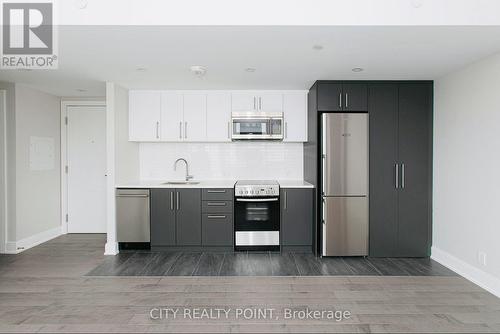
{"x": 257, "y": 215}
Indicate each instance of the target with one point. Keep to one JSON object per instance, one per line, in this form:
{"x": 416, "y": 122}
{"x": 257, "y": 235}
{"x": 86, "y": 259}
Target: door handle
{"x": 286, "y": 200}
{"x": 185, "y": 130}
{"x": 228, "y": 130}
{"x": 346, "y": 100}
{"x": 217, "y": 191}
{"x": 216, "y": 204}
{"x": 157, "y": 130}
{"x": 340, "y": 100}
{"x": 286, "y": 129}
{"x": 216, "y": 217}
{"x": 180, "y": 130}
{"x": 403, "y": 176}
{"x": 397, "y": 175}
{"x": 254, "y": 103}
{"x": 178, "y": 200}
{"x": 172, "y": 200}
{"x": 260, "y": 103}
{"x": 257, "y": 200}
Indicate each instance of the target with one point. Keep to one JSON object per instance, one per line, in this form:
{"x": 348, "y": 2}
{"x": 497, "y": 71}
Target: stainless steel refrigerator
{"x": 344, "y": 184}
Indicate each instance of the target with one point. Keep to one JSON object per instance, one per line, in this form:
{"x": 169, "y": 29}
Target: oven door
{"x": 251, "y": 128}
{"x": 257, "y": 214}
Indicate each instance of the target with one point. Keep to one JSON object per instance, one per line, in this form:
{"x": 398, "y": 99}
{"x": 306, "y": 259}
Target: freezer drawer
{"x": 345, "y": 154}
{"x": 345, "y": 226}
{"x": 132, "y": 215}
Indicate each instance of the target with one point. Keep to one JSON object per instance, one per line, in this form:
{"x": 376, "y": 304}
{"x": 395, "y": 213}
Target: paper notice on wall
{"x": 42, "y": 153}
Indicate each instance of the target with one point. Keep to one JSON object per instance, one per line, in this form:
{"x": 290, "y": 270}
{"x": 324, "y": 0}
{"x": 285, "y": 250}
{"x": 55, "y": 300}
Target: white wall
{"x": 466, "y": 171}
{"x": 219, "y": 161}
{"x": 38, "y": 197}
{"x": 11, "y": 163}
{"x": 3, "y": 169}
{"x": 126, "y": 153}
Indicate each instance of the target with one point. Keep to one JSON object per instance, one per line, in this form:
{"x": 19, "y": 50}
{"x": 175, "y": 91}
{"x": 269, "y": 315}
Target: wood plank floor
{"x": 45, "y": 289}
{"x": 143, "y": 263}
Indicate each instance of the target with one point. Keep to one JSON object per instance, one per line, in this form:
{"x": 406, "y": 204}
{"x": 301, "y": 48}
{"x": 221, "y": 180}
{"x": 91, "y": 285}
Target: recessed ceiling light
{"x": 250, "y": 69}
{"x": 198, "y": 70}
{"x": 417, "y": 3}
{"x": 82, "y": 4}
{"x": 317, "y": 47}
{"x": 357, "y": 69}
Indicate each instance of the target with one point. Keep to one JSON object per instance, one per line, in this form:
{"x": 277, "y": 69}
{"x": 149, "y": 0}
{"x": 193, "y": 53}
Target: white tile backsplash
{"x": 218, "y": 161}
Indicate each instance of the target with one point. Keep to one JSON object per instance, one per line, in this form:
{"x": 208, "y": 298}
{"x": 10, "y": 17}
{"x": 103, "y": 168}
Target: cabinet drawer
{"x": 220, "y": 194}
{"x": 217, "y": 230}
{"x": 217, "y": 206}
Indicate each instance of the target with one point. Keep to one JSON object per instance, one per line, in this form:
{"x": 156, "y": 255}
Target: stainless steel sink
{"x": 181, "y": 182}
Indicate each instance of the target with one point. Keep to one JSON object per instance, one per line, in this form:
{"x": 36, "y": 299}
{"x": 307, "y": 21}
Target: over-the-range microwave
{"x": 257, "y": 125}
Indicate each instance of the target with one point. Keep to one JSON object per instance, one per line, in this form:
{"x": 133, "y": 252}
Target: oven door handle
{"x": 257, "y": 200}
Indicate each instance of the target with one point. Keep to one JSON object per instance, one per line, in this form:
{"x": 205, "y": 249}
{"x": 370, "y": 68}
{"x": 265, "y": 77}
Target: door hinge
{"x": 66, "y": 168}
{"x": 66, "y": 120}
{"x": 67, "y": 218}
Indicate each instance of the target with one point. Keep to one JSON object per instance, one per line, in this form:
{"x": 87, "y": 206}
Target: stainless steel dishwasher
{"x": 132, "y": 216}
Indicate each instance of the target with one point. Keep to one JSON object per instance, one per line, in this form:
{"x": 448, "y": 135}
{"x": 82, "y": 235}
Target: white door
{"x": 195, "y": 117}
{"x": 271, "y": 102}
{"x": 144, "y": 115}
{"x": 295, "y": 114}
{"x": 219, "y": 117}
{"x": 172, "y": 122}
{"x": 86, "y": 154}
{"x": 244, "y": 101}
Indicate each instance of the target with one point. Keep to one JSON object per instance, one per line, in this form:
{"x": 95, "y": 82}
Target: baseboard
{"x": 111, "y": 248}
{"x": 477, "y": 276}
{"x": 34, "y": 240}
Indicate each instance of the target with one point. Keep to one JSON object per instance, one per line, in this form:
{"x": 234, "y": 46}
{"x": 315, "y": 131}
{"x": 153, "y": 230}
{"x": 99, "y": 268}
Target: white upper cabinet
{"x": 257, "y": 101}
{"x": 219, "y": 117}
{"x": 172, "y": 120}
{"x": 144, "y": 115}
{"x": 295, "y": 116}
{"x": 195, "y": 117}
{"x": 271, "y": 102}
{"x": 205, "y": 116}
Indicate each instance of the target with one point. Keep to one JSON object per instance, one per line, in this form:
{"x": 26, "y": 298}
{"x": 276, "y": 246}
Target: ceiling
{"x": 284, "y": 57}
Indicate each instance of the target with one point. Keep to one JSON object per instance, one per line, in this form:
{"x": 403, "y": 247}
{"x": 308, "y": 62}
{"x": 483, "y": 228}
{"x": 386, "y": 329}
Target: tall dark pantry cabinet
{"x": 400, "y": 154}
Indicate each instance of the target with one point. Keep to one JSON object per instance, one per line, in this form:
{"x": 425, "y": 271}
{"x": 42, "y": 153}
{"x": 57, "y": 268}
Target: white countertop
{"x": 206, "y": 184}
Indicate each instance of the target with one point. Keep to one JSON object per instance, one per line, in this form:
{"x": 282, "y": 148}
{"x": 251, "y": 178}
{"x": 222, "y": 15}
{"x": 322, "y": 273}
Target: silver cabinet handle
{"x": 256, "y": 200}
{"x": 216, "y": 217}
{"x": 254, "y": 103}
{"x": 396, "y": 166}
{"x": 157, "y": 130}
{"x": 286, "y": 129}
{"x": 346, "y": 100}
{"x": 185, "y": 130}
{"x": 131, "y": 195}
{"x": 180, "y": 130}
{"x": 228, "y": 130}
{"x": 286, "y": 200}
{"x": 172, "y": 200}
{"x": 217, "y": 191}
{"x": 340, "y": 100}
{"x": 403, "y": 181}
{"x": 260, "y": 103}
{"x": 216, "y": 204}
{"x": 178, "y": 200}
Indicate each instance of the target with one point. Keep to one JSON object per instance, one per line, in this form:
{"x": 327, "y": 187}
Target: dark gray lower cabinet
{"x": 217, "y": 229}
{"x": 162, "y": 217}
{"x": 400, "y": 168}
{"x": 296, "y": 216}
{"x": 188, "y": 217}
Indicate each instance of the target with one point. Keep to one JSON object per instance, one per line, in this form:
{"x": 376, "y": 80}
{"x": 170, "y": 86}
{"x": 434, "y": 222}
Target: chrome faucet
{"x": 188, "y": 177}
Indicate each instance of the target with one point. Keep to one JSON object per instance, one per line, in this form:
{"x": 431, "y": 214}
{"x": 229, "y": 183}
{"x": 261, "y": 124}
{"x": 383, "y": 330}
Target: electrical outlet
{"x": 481, "y": 257}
